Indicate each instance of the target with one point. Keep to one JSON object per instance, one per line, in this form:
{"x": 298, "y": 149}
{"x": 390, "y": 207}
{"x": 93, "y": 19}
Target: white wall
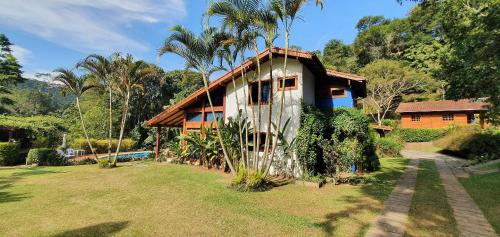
{"x": 293, "y": 98}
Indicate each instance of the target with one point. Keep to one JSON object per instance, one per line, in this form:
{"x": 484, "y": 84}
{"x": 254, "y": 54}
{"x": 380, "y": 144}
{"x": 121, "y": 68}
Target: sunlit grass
{"x": 485, "y": 190}
{"x": 146, "y": 198}
{"x": 430, "y": 214}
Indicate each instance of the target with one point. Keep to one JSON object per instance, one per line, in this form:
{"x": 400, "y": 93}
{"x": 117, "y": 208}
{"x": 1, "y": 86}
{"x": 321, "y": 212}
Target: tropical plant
{"x": 102, "y": 68}
{"x": 199, "y": 53}
{"x": 130, "y": 75}
{"x": 287, "y": 12}
{"x": 76, "y": 85}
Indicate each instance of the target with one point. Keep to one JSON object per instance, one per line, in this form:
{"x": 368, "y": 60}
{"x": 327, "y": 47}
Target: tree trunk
{"x": 242, "y": 151}
{"x": 259, "y": 112}
{"x": 243, "y": 77}
{"x": 219, "y": 135}
{"x": 270, "y": 109}
{"x": 110, "y": 141}
{"x": 280, "y": 110}
{"x": 122, "y": 127}
{"x": 83, "y": 127}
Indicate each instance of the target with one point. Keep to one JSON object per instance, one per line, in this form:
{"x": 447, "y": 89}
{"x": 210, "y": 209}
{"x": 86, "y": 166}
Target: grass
{"x": 430, "y": 214}
{"x": 150, "y": 199}
{"x": 485, "y": 191}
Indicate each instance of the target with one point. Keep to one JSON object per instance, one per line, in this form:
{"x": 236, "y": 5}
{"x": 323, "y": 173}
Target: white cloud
{"x": 88, "y": 25}
{"x": 22, "y": 54}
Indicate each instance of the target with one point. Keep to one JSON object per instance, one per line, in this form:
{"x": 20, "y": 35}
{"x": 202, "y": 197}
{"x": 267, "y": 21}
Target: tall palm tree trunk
{"x": 270, "y": 108}
{"x": 219, "y": 135}
{"x": 280, "y": 110}
{"x": 122, "y": 127}
{"x": 84, "y": 128}
{"x": 242, "y": 151}
{"x": 259, "y": 112}
{"x": 245, "y": 82}
{"x": 110, "y": 134}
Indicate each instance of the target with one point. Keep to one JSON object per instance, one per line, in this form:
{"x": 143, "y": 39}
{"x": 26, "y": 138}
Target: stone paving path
{"x": 470, "y": 219}
{"x": 392, "y": 221}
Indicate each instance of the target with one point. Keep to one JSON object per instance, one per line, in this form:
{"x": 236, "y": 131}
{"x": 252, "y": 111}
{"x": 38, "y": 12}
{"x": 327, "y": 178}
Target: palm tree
{"x": 248, "y": 20}
{"x": 77, "y": 85}
{"x": 101, "y": 68}
{"x": 287, "y": 11}
{"x": 199, "y": 53}
{"x": 130, "y": 77}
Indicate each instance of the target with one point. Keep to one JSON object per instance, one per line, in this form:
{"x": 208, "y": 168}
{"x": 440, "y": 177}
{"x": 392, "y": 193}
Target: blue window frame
{"x": 210, "y": 117}
{"x": 194, "y": 117}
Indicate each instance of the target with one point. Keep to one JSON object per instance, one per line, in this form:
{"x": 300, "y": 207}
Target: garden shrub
{"x": 101, "y": 146}
{"x": 390, "y": 122}
{"x": 44, "y": 156}
{"x": 417, "y": 134}
{"x": 9, "y": 153}
{"x": 309, "y": 138}
{"x": 249, "y": 182}
{"x": 471, "y": 142}
{"x": 105, "y": 163}
{"x": 388, "y": 146}
{"x": 352, "y": 141}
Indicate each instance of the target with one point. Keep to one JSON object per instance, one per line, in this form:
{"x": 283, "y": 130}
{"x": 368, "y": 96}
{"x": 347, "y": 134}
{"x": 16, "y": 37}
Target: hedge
{"x": 9, "y": 153}
{"x": 417, "y": 134}
{"x": 101, "y": 146}
{"x": 471, "y": 142}
{"x": 388, "y": 147}
{"x": 44, "y": 156}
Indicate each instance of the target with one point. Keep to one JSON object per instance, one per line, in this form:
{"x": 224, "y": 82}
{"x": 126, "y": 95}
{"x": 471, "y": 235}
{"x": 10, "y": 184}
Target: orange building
{"x": 440, "y": 114}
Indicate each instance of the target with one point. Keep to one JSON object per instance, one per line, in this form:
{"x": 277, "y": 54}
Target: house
{"x": 307, "y": 81}
{"x": 440, "y": 114}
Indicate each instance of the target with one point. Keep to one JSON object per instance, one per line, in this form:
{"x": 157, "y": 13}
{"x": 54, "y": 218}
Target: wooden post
{"x": 157, "y": 148}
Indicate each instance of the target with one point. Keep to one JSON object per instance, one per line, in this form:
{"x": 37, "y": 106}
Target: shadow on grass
{"x": 329, "y": 225}
{"x": 7, "y": 182}
{"x": 377, "y": 186}
{"x": 102, "y": 229}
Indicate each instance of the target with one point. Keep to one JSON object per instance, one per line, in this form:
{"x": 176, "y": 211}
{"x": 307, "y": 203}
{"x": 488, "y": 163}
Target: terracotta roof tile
{"x": 346, "y": 75}
{"x": 443, "y": 105}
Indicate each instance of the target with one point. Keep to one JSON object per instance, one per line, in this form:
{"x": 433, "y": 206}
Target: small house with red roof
{"x": 440, "y": 114}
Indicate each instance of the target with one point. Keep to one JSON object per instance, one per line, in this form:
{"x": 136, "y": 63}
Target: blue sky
{"x": 57, "y": 33}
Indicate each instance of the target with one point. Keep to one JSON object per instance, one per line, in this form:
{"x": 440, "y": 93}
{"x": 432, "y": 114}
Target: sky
{"x": 48, "y": 34}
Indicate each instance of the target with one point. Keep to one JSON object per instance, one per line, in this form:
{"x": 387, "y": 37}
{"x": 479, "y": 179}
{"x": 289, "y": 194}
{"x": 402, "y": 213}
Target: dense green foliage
{"x": 10, "y": 73}
{"x": 309, "y": 137}
{"x": 44, "y": 131}
{"x": 333, "y": 141}
{"x": 388, "y": 146}
{"x": 417, "y": 134}
{"x": 471, "y": 142}
{"x": 44, "y": 156}
{"x": 471, "y": 67}
{"x": 9, "y": 153}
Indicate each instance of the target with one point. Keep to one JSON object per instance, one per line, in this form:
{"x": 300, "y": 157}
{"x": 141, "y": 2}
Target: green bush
{"x": 249, "y": 182}
{"x": 44, "y": 156}
{"x": 417, "y": 134}
{"x": 105, "y": 163}
{"x": 389, "y": 147}
{"x": 9, "y": 153}
{"x": 309, "y": 138}
{"x": 471, "y": 142}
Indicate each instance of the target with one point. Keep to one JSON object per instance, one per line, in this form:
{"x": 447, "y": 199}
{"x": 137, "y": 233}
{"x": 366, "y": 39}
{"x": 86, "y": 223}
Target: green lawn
{"x": 146, "y": 198}
{"x": 485, "y": 190}
{"x": 430, "y": 214}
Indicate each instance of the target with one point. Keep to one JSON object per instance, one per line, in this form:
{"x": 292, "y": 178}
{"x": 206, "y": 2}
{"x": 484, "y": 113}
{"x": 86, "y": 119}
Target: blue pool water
{"x": 132, "y": 155}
